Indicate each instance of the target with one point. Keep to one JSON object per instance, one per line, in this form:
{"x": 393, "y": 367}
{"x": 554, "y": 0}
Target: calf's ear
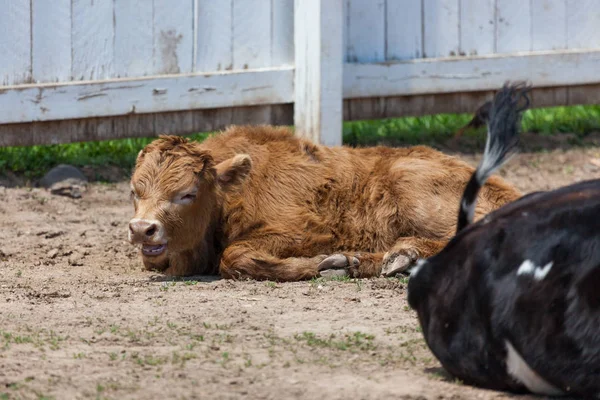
{"x": 234, "y": 170}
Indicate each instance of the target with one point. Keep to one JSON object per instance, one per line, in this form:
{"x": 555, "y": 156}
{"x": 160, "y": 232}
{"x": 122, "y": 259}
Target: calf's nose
{"x": 141, "y": 229}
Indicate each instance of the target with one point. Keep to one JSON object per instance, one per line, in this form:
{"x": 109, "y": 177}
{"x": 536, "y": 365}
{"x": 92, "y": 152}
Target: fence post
{"x": 318, "y": 37}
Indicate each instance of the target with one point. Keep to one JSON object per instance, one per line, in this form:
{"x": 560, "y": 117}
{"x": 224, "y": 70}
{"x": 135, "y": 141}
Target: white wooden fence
{"x": 75, "y": 70}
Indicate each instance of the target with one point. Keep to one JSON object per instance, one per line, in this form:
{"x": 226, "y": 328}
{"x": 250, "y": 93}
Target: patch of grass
{"x": 355, "y": 341}
{"x": 34, "y": 161}
{"x": 432, "y": 129}
{"x": 149, "y": 360}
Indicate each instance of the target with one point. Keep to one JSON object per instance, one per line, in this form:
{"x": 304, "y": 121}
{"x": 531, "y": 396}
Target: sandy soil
{"x": 80, "y": 319}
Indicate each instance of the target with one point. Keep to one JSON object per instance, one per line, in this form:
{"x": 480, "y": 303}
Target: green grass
{"x": 34, "y": 161}
{"x": 579, "y": 120}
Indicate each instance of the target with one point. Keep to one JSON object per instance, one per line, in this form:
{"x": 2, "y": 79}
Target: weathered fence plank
{"x": 477, "y": 27}
{"x": 15, "y": 42}
{"x": 51, "y": 41}
{"x": 251, "y": 46}
{"x": 583, "y": 20}
{"x": 513, "y": 31}
{"x": 548, "y": 25}
{"x": 404, "y": 34}
{"x": 173, "y": 37}
{"x": 146, "y": 95}
{"x": 134, "y": 38}
{"x": 282, "y": 32}
{"x": 366, "y": 45}
{"x": 214, "y": 36}
{"x": 93, "y": 39}
{"x": 543, "y": 69}
{"x": 440, "y": 27}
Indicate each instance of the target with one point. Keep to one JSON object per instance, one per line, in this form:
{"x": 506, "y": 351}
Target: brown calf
{"x": 258, "y": 202}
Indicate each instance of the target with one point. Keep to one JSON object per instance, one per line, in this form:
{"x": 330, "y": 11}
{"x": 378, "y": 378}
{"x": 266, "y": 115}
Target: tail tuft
{"x": 503, "y": 121}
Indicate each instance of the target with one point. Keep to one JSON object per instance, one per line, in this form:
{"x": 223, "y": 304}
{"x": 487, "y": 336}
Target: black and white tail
{"x": 503, "y": 122}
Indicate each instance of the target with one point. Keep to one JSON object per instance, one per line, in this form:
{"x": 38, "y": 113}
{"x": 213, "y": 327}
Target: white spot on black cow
{"x": 417, "y": 268}
{"x": 521, "y": 372}
{"x": 529, "y": 268}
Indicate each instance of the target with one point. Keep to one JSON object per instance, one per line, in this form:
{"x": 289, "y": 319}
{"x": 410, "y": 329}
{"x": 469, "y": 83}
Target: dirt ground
{"x": 80, "y": 319}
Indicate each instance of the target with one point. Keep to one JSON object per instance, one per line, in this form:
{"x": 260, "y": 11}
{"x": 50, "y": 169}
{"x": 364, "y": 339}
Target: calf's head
{"x": 177, "y": 192}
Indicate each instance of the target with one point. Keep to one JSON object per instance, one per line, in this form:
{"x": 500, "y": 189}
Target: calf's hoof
{"x": 396, "y": 262}
{"x": 338, "y": 265}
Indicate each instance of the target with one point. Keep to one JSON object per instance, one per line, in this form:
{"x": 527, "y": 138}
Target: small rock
{"x": 52, "y": 253}
{"x": 76, "y": 260}
{"x": 65, "y": 180}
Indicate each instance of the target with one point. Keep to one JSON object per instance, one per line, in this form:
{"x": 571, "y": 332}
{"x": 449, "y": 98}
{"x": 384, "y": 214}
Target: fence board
{"x": 251, "y": 34}
{"x": 440, "y": 27}
{"x": 548, "y": 25}
{"x": 134, "y": 38}
{"x": 146, "y": 95}
{"x": 173, "y": 36}
{"x": 92, "y": 39}
{"x": 15, "y": 42}
{"x": 477, "y": 27}
{"x": 282, "y": 32}
{"x": 513, "y": 31}
{"x": 214, "y": 43}
{"x": 366, "y": 45}
{"x": 542, "y": 69}
{"x": 404, "y": 36}
{"x": 583, "y": 20}
{"x": 251, "y": 46}
{"x": 51, "y": 41}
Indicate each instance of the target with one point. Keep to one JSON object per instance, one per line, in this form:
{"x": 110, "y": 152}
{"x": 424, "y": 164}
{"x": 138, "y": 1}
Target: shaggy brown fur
{"x": 269, "y": 205}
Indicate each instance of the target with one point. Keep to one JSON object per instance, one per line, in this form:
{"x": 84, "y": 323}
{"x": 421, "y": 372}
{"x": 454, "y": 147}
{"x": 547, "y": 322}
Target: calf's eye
{"x": 189, "y": 196}
{"x": 186, "y": 198}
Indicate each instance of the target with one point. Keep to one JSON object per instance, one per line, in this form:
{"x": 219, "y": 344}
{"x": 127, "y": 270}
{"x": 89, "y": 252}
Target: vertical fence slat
{"x": 214, "y": 44}
{"x": 92, "y": 39}
{"x": 282, "y": 32}
{"x": 441, "y": 28}
{"x": 513, "y": 31}
{"x": 583, "y": 22}
{"x": 173, "y": 36}
{"x": 251, "y": 34}
{"x": 173, "y": 53}
{"x": 548, "y": 25}
{"x": 404, "y": 33}
{"x": 477, "y": 27}
{"x": 318, "y": 34}
{"x": 251, "y": 47}
{"x": 15, "y": 42}
{"x": 51, "y": 37}
{"x": 549, "y": 32}
{"x": 134, "y": 38}
{"x": 366, "y": 31}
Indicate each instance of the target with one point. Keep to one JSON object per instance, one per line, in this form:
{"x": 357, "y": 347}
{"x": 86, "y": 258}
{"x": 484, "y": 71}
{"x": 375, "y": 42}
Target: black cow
{"x": 513, "y": 301}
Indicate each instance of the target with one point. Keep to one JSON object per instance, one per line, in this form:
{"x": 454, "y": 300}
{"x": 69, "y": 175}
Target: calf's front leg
{"x": 406, "y": 251}
{"x": 399, "y": 258}
{"x": 243, "y": 261}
